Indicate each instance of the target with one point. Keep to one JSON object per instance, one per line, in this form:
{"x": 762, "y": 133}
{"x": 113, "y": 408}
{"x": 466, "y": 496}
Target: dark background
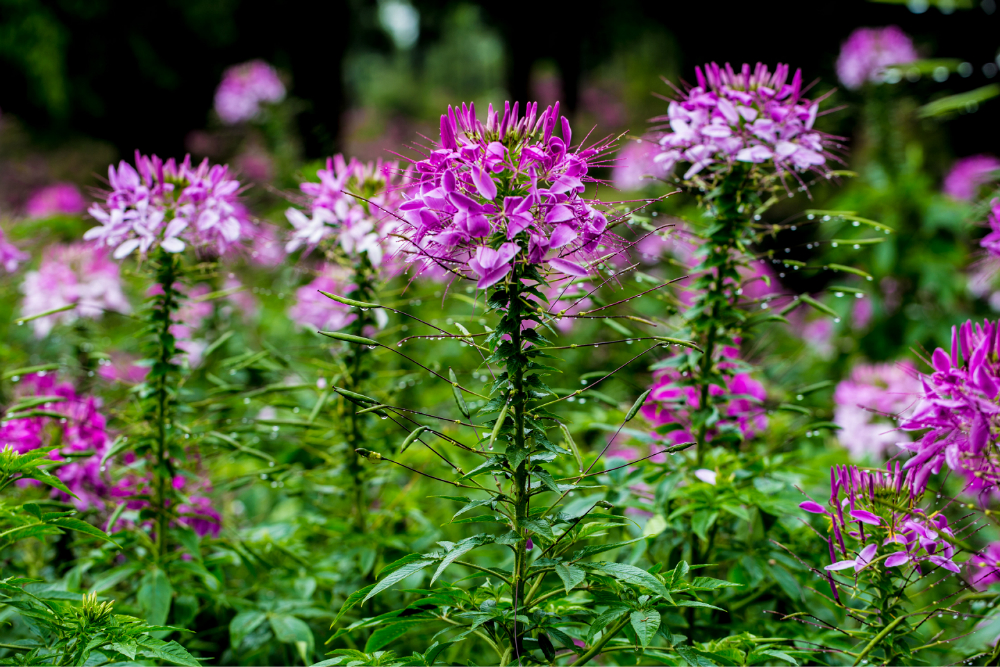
{"x": 142, "y": 75}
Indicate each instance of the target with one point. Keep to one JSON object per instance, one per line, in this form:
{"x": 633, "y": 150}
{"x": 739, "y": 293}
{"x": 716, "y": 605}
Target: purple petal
{"x": 940, "y": 361}
{"x": 562, "y": 235}
{"x": 865, "y": 557}
{"x": 813, "y": 507}
{"x": 897, "y": 559}
{"x": 840, "y": 565}
{"x": 569, "y": 268}
{"x": 484, "y": 183}
{"x": 943, "y": 562}
{"x": 865, "y": 517}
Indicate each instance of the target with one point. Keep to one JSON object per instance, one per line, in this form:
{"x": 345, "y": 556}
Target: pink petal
{"x": 865, "y": 517}
{"x": 813, "y": 507}
{"x": 840, "y": 565}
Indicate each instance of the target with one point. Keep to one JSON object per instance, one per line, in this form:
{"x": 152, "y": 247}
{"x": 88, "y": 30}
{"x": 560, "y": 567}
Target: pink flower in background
{"x": 867, "y": 404}
{"x": 957, "y": 413}
{"x": 984, "y": 567}
{"x": 256, "y": 166}
{"x": 360, "y": 226}
{"x": 818, "y": 333}
{"x": 991, "y": 242}
{"x": 968, "y": 175}
{"x": 243, "y": 88}
{"x": 79, "y": 275}
{"x": 635, "y": 168}
{"x": 671, "y": 403}
{"x": 198, "y": 512}
{"x": 742, "y": 116}
{"x": 56, "y": 199}
{"x": 243, "y": 301}
{"x": 82, "y": 429}
{"x": 490, "y": 195}
{"x": 10, "y": 256}
{"x": 568, "y": 299}
{"x": 319, "y": 312}
{"x": 266, "y": 246}
{"x": 121, "y": 368}
{"x": 868, "y": 51}
{"x": 162, "y": 204}
{"x": 861, "y": 313}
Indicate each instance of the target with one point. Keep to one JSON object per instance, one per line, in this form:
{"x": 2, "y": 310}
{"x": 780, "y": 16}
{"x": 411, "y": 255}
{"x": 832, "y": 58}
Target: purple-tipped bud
{"x": 529, "y": 545}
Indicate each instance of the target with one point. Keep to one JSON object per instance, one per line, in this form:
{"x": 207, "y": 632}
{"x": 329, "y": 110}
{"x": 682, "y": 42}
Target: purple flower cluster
{"x": 747, "y": 116}
{"x": 505, "y": 191}
{"x": 867, "y": 401}
{"x": 243, "y": 88}
{"x": 878, "y": 510}
{"x": 991, "y": 242}
{"x": 77, "y": 275}
{"x": 672, "y": 402}
{"x": 10, "y": 256}
{"x": 56, "y": 199}
{"x": 81, "y": 429}
{"x": 867, "y": 52}
{"x": 958, "y": 410}
{"x": 985, "y": 567}
{"x": 196, "y": 509}
{"x": 164, "y": 204}
{"x": 968, "y": 175}
{"x": 353, "y": 203}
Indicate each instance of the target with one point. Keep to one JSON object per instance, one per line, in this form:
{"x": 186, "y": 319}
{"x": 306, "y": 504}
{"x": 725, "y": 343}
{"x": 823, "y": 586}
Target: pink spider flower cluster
{"x": 991, "y": 242}
{"x": 82, "y": 428}
{"x": 243, "y": 88}
{"x": 752, "y": 116}
{"x": 984, "y": 567}
{"x": 354, "y": 204}
{"x": 196, "y": 509}
{"x": 506, "y": 191}
{"x": 167, "y": 205}
{"x": 10, "y": 255}
{"x": 958, "y": 412}
{"x": 867, "y": 52}
{"x": 77, "y": 275}
{"x": 671, "y": 403}
{"x": 868, "y": 401}
{"x": 872, "y": 510}
{"x": 968, "y": 175}
{"x": 55, "y": 199}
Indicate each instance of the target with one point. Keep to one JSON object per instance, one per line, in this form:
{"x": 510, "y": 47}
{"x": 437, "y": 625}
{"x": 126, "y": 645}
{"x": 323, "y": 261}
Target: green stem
{"x": 515, "y": 372}
{"x": 878, "y": 638}
{"x": 605, "y": 638}
{"x": 167, "y": 275}
{"x": 364, "y": 291}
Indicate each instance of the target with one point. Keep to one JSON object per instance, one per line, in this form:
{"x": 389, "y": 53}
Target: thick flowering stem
{"x": 715, "y": 314}
{"x": 162, "y": 376}
{"x": 364, "y": 280}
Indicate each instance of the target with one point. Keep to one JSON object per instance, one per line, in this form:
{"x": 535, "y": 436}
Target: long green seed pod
{"x": 349, "y": 302}
{"x": 462, "y": 405}
{"x": 572, "y": 445}
{"x": 410, "y": 439}
{"x": 638, "y": 404}
{"x": 358, "y": 399}
{"x": 348, "y": 338}
{"x": 678, "y": 341}
{"x": 499, "y": 424}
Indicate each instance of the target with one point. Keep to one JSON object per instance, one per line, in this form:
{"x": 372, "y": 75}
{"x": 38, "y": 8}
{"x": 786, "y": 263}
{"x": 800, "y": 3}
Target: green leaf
{"x": 290, "y": 630}
{"x": 601, "y": 548}
{"x": 352, "y": 600}
{"x": 693, "y": 657}
{"x": 603, "y": 621}
{"x": 539, "y": 526}
{"x": 389, "y": 633}
{"x": 696, "y": 603}
{"x": 645, "y": 623}
{"x": 82, "y": 527}
{"x": 397, "y": 575}
{"x": 473, "y": 505}
{"x": 710, "y": 584}
{"x": 702, "y": 521}
{"x": 571, "y": 575}
{"x": 242, "y": 625}
{"x": 787, "y": 582}
{"x": 170, "y": 652}
{"x": 154, "y": 596}
{"x": 633, "y": 575}
{"x": 460, "y": 549}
